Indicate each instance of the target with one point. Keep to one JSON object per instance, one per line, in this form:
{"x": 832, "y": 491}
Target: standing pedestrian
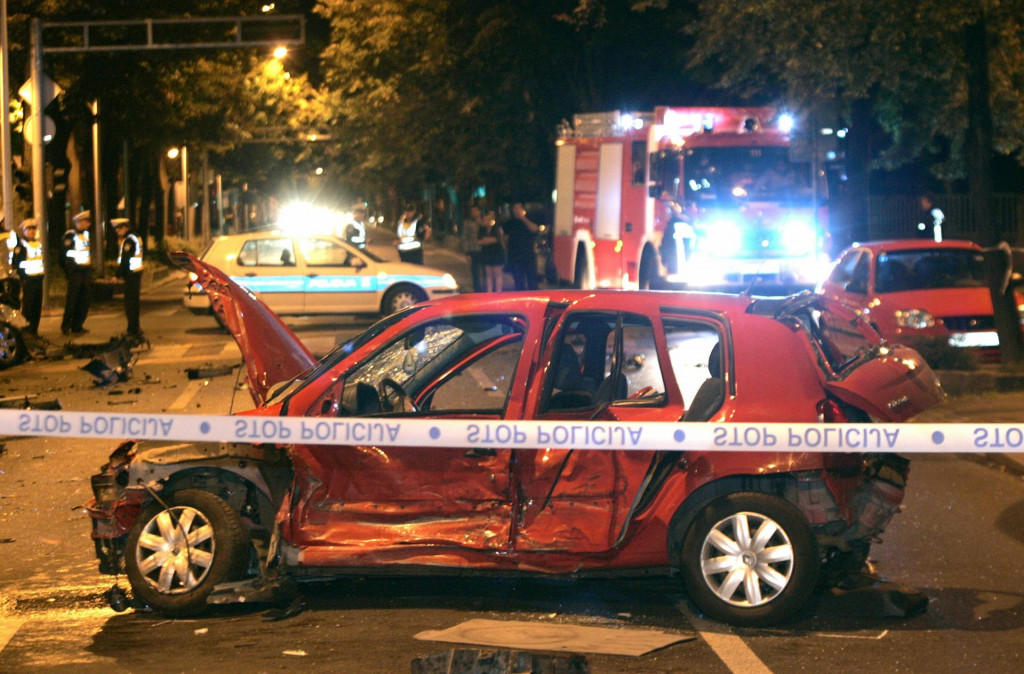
{"x": 77, "y": 261}
{"x": 492, "y": 253}
{"x": 471, "y": 229}
{"x": 355, "y": 229}
{"x": 521, "y": 253}
{"x": 929, "y": 220}
{"x": 129, "y": 268}
{"x": 27, "y": 259}
{"x": 411, "y": 234}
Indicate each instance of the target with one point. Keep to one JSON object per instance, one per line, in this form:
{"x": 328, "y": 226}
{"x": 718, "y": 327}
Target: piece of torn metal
{"x": 518, "y": 634}
{"x": 205, "y": 372}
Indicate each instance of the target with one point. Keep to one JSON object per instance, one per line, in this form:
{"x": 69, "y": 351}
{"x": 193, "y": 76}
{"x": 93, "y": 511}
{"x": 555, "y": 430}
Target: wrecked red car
{"x": 751, "y": 534}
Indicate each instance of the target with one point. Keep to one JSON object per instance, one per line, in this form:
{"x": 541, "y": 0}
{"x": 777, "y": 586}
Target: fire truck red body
{"x": 701, "y": 197}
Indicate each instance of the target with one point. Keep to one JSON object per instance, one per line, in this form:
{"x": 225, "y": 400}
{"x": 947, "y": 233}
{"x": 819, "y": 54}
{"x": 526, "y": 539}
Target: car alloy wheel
{"x": 11, "y": 349}
{"x": 176, "y": 555}
{"x": 750, "y": 559}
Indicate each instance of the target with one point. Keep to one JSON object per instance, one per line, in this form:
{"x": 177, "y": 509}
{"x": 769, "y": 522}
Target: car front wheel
{"x": 176, "y": 555}
{"x": 750, "y": 559}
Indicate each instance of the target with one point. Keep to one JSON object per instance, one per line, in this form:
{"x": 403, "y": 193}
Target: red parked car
{"x": 913, "y": 288}
{"x": 751, "y": 534}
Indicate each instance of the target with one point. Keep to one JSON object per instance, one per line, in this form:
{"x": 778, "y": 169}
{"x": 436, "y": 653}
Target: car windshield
{"x": 287, "y": 388}
{"x": 727, "y": 174}
{"x": 929, "y": 269}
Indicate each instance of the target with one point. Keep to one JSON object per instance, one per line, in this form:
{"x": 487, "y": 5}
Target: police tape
{"x": 476, "y": 433}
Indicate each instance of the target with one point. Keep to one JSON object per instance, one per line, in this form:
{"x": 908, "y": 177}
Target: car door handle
{"x": 313, "y": 275}
{"x": 252, "y": 273}
{"x": 480, "y": 453}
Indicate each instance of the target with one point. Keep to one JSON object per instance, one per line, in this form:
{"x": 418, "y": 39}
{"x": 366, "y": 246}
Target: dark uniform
{"x": 129, "y": 268}
{"x": 27, "y": 258}
{"x": 77, "y": 260}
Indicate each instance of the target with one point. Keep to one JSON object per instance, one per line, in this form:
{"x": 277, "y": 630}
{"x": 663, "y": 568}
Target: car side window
{"x": 267, "y": 253}
{"x": 602, "y": 358}
{"x": 464, "y": 363}
{"x": 325, "y": 253}
{"x": 695, "y": 355}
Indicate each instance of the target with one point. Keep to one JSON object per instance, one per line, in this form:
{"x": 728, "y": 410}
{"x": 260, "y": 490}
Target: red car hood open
{"x": 271, "y": 351}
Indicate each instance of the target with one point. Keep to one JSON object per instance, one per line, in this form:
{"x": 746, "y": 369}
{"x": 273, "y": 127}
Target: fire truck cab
{"x": 686, "y": 197}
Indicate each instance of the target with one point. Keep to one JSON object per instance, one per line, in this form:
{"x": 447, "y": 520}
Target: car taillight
{"x": 192, "y": 277}
{"x": 830, "y": 412}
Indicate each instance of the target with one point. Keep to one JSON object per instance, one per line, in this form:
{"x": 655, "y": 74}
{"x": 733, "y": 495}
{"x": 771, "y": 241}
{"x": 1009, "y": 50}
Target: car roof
{"x": 645, "y": 302}
{"x": 271, "y": 234}
{"x": 913, "y": 244}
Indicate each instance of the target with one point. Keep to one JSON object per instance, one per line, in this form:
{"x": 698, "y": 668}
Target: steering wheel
{"x": 405, "y": 400}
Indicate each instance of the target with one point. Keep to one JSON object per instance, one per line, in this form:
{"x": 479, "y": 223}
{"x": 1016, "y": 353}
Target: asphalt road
{"x": 959, "y": 541}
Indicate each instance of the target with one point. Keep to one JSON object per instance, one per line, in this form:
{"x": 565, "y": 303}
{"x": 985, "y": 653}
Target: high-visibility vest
{"x": 407, "y": 236}
{"x": 32, "y": 265}
{"x": 135, "y": 261}
{"x": 79, "y": 252}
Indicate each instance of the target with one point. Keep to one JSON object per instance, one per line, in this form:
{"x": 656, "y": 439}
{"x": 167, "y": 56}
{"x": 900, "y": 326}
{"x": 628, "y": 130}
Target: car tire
{"x": 175, "y": 556}
{"x": 12, "y": 348}
{"x": 400, "y": 297}
{"x": 750, "y": 559}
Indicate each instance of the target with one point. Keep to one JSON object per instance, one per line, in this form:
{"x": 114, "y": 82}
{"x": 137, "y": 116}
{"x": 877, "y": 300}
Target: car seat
{"x": 711, "y": 394}
{"x": 568, "y": 388}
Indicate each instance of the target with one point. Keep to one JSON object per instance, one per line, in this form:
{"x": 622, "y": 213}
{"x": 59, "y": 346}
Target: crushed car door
{"x": 604, "y": 367}
{"x": 369, "y": 495}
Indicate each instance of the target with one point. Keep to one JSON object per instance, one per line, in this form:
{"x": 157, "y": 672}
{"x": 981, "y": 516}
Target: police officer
{"x": 355, "y": 230}
{"x": 27, "y": 258}
{"x": 129, "y": 268}
{"x": 77, "y": 260}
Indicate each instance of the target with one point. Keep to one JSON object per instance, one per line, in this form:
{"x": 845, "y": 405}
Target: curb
{"x": 961, "y": 382}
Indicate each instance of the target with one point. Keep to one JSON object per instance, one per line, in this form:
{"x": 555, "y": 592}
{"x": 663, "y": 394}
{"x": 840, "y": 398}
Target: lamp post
{"x": 186, "y": 215}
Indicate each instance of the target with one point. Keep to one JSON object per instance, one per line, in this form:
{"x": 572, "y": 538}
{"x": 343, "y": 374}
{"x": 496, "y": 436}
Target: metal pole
{"x": 98, "y": 216}
{"x": 186, "y": 213}
{"x": 5, "y": 123}
{"x": 35, "y": 138}
{"x": 204, "y": 177}
{"x": 220, "y": 206}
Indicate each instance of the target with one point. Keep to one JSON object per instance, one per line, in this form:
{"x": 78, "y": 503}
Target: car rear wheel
{"x": 400, "y": 297}
{"x": 176, "y": 555}
{"x": 12, "y": 349}
{"x": 750, "y": 559}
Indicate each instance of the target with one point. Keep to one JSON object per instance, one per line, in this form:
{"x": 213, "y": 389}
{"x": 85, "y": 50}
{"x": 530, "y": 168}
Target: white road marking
{"x": 730, "y": 649}
{"x": 186, "y": 396}
{"x": 8, "y": 628}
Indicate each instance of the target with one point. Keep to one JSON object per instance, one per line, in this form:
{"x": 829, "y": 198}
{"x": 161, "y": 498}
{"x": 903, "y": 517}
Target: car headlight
{"x": 448, "y": 281}
{"x": 722, "y": 238}
{"x": 798, "y": 237}
{"x": 915, "y": 319}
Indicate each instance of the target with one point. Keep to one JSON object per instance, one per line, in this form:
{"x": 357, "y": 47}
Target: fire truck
{"x": 687, "y": 197}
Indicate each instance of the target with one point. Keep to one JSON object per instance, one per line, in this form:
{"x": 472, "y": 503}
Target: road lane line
{"x": 730, "y": 649}
{"x": 186, "y": 396}
{"x": 8, "y": 628}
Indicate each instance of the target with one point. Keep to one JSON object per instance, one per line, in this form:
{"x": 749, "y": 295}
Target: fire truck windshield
{"x": 720, "y": 176}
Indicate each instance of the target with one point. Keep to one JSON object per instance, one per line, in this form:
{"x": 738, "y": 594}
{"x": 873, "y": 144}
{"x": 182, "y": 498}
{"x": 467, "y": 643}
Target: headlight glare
{"x": 914, "y": 319}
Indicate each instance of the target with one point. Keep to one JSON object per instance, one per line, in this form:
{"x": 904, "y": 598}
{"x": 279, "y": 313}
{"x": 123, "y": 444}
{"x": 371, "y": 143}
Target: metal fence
{"x": 887, "y": 216}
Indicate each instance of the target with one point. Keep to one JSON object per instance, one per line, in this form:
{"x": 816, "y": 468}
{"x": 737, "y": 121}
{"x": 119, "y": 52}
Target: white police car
{"x": 317, "y": 274}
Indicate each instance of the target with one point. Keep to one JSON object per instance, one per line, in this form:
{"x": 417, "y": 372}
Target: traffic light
{"x": 60, "y": 180}
{"x": 23, "y": 184}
